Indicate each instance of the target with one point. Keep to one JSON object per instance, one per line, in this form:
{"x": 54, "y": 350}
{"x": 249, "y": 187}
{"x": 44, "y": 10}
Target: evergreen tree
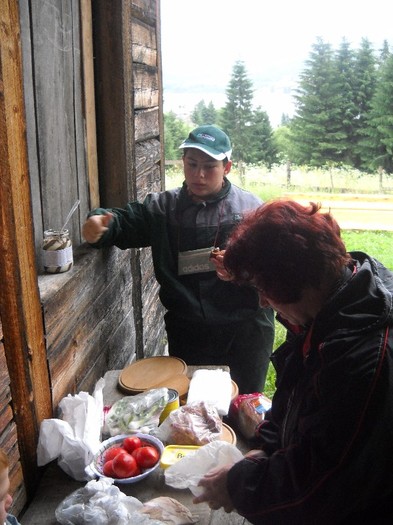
{"x": 385, "y": 52}
{"x": 365, "y": 84}
{"x": 316, "y": 128}
{"x": 343, "y": 91}
{"x": 380, "y": 120}
{"x": 203, "y": 114}
{"x": 175, "y": 131}
{"x": 237, "y": 116}
{"x": 262, "y": 147}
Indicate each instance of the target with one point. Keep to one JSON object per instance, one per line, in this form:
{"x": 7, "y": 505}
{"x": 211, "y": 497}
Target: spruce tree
{"x": 203, "y": 114}
{"x": 262, "y": 147}
{"x": 365, "y": 85}
{"x": 343, "y": 91}
{"x": 380, "y": 129}
{"x": 316, "y": 127}
{"x": 175, "y": 131}
{"x": 236, "y": 117}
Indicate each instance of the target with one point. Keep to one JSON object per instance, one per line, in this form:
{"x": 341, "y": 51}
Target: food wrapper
{"x": 75, "y": 438}
{"x": 193, "y": 424}
{"x": 186, "y": 473}
{"x": 213, "y": 387}
{"x": 139, "y": 413}
{"x": 247, "y": 411}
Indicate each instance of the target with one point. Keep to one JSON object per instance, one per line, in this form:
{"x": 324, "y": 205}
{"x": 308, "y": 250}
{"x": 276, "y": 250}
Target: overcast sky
{"x": 202, "y": 39}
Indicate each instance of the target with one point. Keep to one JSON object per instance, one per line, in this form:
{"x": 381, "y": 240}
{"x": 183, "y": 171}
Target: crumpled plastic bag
{"x": 100, "y": 502}
{"x": 139, "y": 413}
{"x": 213, "y": 387}
{"x": 196, "y": 423}
{"x": 76, "y": 437}
{"x": 186, "y": 473}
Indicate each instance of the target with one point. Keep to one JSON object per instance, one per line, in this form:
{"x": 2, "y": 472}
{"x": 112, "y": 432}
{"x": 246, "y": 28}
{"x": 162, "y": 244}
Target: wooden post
{"x": 20, "y": 307}
{"x": 90, "y": 114}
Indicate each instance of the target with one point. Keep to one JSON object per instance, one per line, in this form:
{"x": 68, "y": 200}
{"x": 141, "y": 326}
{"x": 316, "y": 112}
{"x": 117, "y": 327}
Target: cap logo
{"x": 206, "y": 136}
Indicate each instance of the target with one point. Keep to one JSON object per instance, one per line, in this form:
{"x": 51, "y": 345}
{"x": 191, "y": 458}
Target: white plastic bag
{"x": 213, "y": 387}
{"x": 76, "y": 437}
{"x": 101, "y": 503}
{"x": 186, "y": 473}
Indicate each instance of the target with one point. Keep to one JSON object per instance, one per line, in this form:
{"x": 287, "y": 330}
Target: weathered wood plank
{"x": 146, "y": 92}
{"x": 146, "y": 124}
{"x": 144, "y": 44}
{"x": 20, "y": 310}
{"x": 145, "y": 10}
{"x": 57, "y": 84}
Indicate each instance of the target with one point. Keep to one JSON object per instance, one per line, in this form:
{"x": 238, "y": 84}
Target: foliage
{"x": 344, "y": 108}
{"x": 380, "y": 130}
{"x": 249, "y": 129}
{"x": 175, "y": 131}
{"x": 203, "y": 114}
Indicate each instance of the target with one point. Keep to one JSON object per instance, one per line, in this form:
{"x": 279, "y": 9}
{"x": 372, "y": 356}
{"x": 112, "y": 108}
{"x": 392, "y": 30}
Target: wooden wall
{"x": 93, "y": 134}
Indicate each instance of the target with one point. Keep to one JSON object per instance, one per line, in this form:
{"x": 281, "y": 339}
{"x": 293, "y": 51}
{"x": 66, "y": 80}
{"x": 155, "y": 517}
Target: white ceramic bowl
{"x": 98, "y": 461}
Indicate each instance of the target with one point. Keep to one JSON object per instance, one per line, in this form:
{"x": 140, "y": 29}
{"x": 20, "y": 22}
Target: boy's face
{"x": 5, "y": 498}
{"x": 204, "y": 175}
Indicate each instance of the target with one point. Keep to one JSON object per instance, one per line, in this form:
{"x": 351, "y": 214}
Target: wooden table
{"x": 55, "y": 485}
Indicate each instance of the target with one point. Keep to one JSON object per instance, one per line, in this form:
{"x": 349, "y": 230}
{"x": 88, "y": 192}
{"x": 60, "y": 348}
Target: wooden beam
{"x": 20, "y": 308}
{"x": 89, "y": 101}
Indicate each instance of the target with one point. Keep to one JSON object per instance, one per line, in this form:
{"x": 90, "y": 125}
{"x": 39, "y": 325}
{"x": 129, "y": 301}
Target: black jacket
{"x": 329, "y": 435}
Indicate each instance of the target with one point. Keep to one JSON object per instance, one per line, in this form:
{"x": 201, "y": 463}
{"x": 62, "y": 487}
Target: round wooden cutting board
{"x": 228, "y": 434}
{"x": 152, "y": 371}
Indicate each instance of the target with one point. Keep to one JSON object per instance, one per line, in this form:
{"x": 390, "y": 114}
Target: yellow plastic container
{"x": 173, "y": 453}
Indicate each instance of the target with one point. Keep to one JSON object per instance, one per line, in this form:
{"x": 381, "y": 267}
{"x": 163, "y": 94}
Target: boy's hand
{"x": 218, "y": 261}
{"x": 95, "y": 227}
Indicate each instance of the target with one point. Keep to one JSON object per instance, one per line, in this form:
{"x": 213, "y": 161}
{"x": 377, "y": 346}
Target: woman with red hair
{"x": 324, "y": 453}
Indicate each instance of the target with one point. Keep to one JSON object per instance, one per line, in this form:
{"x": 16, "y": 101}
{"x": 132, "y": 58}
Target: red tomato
{"x": 131, "y": 443}
{"x": 111, "y": 453}
{"x": 107, "y": 469}
{"x": 146, "y": 457}
{"x": 125, "y": 466}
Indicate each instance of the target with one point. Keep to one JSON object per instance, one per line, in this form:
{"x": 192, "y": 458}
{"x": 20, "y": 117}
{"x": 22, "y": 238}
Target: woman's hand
{"x": 95, "y": 227}
{"x": 215, "y": 494}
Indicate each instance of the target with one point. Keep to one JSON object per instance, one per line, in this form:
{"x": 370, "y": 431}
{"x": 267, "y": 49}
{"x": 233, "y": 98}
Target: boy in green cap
{"x": 208, "y": 321}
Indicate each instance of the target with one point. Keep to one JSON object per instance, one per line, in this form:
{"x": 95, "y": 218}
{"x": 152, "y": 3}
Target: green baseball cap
{"x": 210, "y": 139}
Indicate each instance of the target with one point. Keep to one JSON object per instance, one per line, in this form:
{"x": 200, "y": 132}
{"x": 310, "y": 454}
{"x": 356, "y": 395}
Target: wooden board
{"x": 146, "y": 373}
{"x": 228, "y": 434}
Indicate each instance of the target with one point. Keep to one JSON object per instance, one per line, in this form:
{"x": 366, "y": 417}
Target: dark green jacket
{"x": 170, "y": 222}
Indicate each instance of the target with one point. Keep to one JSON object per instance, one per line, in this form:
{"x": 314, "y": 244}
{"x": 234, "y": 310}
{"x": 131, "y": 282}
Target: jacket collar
{"x": 185, "y": 199}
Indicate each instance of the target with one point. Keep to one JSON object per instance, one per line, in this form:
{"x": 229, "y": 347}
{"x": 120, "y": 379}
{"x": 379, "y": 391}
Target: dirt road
{"x": 354, "y": 212}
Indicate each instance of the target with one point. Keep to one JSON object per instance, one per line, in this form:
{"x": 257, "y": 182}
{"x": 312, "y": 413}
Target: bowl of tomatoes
{"x": 127, "y": 458}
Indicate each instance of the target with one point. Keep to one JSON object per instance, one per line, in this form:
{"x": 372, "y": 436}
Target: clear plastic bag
{"x": 247, "y": 411}
{"x": 193, "y": 424}
{"x": 139, "y": 413}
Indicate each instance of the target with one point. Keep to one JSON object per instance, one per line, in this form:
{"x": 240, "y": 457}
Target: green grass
{"x": 378, "y": 244}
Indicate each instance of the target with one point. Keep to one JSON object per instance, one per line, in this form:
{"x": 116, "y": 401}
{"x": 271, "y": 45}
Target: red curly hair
{"x": 283, "y": 248}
